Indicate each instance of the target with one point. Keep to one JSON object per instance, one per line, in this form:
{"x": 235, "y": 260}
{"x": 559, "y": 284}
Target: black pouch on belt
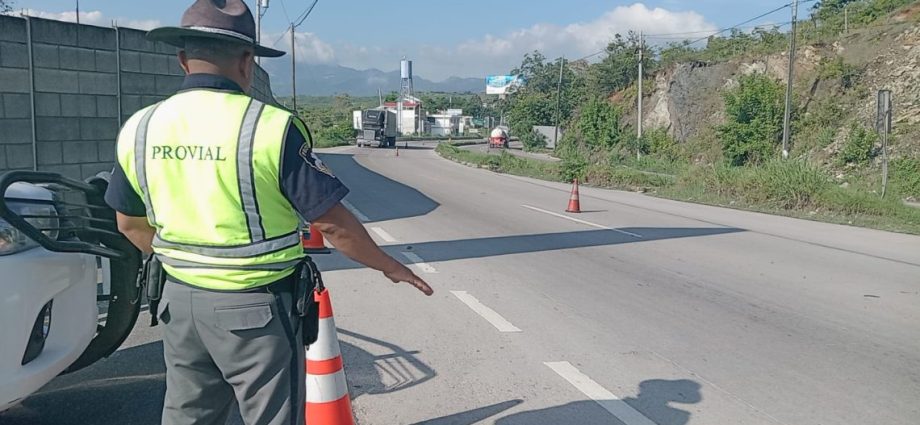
{"x": 310, "y": 279}
{"x": 155, "y": 278}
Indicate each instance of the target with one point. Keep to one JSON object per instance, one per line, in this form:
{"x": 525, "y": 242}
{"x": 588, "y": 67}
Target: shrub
{"x": 662, "y": 145}
{"x": 533, "y": 140}
{"x": 859, "y": 145}
{"x": 905, "y": 176}
{"x": 754, "y": 112}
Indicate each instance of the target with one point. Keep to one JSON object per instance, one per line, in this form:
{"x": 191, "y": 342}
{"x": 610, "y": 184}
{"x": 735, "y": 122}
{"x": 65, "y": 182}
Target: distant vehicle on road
{"x": 57, "y": 239}
{"x": 375, "y": 127}
{"x": 498, "y": 138}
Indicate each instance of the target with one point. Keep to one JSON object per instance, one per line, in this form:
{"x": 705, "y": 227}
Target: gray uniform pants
{"x": 226, "y": 347}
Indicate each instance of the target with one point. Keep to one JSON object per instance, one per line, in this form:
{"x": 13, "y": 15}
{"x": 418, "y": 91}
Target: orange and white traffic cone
{"x": 313, "y": 241}
{"x": 327, "y": 401}
{"x": 574, "y": 204}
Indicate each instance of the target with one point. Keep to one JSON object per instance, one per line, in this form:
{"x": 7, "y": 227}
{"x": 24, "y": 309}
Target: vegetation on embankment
{"x": 792, "y": 188}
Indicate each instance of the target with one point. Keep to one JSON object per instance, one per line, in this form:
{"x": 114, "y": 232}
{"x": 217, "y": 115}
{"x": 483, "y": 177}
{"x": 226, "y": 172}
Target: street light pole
{"x": 261, "y": 7}
{"x": 788, "y": 110}
{"x": 293, "y": 71}
{"x": 78, "y": 12}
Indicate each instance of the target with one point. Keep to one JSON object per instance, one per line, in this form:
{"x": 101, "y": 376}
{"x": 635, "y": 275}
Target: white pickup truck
{"x": 59, "y": 246}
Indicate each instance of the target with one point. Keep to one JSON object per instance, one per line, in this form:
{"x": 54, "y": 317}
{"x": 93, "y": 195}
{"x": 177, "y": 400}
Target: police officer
{"x": 214, "y": 183}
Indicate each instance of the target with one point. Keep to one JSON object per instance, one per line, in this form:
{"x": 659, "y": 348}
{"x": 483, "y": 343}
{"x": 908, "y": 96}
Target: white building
{"x": 444, "y": 124}
{"x": 412, "y": 118}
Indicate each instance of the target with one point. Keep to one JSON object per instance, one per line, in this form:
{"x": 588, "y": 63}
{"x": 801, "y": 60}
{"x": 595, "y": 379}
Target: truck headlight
{"x": 40, "y": 216}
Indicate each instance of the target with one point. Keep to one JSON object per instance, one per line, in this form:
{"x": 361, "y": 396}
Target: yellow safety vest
{"x": 206, "y": 164}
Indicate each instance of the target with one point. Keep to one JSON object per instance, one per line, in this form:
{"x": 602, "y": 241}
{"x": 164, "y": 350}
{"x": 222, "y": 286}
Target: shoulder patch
{"x": 313, "y": 161}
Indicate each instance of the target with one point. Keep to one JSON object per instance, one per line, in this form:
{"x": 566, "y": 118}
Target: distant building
{"x": 412, "y": 118}
{"x": 444, "y": 124}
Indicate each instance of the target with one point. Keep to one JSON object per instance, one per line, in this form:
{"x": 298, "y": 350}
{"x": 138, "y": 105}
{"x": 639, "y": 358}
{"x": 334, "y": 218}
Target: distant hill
{"x": 326, "y": 80}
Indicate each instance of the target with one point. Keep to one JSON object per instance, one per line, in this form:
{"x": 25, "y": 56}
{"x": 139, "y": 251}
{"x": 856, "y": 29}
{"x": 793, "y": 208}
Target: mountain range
{"x": 327, "y": 80}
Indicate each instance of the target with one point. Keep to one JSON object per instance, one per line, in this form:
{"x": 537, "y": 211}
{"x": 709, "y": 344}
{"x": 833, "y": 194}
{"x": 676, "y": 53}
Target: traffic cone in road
{"x": 574, "y": 204}
{"x": 313, "y": 241}
{"x": 327, "y": 401}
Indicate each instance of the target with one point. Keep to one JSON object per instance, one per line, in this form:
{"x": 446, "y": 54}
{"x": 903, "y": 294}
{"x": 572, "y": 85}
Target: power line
{"x": 742, "y": 23}
{"x": 712, "y": 33}
{"x": 303, "y": 16}
{"x": 284, "y": 8}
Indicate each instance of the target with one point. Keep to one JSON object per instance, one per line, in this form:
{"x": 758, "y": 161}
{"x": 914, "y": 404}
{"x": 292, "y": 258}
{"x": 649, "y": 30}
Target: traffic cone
{"x": 574, "y": 204}
{"x": 313, "y": 242}
{"x": 327, "y": 401}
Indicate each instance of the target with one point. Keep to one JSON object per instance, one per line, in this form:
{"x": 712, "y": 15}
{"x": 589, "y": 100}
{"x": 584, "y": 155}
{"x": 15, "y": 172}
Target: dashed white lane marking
{"x": 418, "y": 261}
{"x": 383, "y": 234}
{"x": 587, "y": 223}
{"x": 487, "y": 313}
{"x": 606, "y": 399}
{"x": 355, "y": 211}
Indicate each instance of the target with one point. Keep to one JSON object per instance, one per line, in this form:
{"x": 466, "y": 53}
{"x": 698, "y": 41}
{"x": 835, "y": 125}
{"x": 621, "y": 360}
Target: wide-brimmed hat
{"x": 228, "y": 20}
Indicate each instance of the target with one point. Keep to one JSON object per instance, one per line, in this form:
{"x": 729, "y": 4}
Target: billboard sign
{"x": 503, "y": 84}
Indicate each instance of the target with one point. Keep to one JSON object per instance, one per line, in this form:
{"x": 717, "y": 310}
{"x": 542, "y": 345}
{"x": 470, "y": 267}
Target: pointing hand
{"x": 403, "y": 274}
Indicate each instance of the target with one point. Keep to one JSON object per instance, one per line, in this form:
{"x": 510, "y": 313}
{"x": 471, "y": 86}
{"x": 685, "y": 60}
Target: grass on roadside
{"x": 791, "y": 188}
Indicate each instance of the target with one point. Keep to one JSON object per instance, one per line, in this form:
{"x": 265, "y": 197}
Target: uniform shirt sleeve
{"x": 306, "y": 181}
{"x": 122, "y": 197}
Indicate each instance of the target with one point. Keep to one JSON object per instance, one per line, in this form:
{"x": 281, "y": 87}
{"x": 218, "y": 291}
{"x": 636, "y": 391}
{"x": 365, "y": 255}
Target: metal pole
{"x": 258, "y": 26}
{"x": 293, "y": 71}
{"x": 32, "y": 93}
{"x": 78, "y": 12}
{"x": 639, "y": 123}
{"x": 118, "y": 70}
{"x": 788, "y": 109}
{"x": 558, "y": 103}
{"x": 846, "y": 19}
{"x": 884, "y": 162}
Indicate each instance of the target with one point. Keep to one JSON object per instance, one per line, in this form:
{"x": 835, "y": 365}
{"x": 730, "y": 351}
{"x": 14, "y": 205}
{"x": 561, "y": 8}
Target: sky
{"x": 473, "y": 38}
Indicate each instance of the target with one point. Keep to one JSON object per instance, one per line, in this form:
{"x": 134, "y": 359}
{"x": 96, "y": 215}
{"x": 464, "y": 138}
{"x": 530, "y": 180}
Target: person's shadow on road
{"x": 654, "y": 401}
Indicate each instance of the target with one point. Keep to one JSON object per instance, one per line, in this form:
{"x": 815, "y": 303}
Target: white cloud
{"x": 93, "y": 17}
{"x": 500, "y": 53}
{"x": 310, "y": 48}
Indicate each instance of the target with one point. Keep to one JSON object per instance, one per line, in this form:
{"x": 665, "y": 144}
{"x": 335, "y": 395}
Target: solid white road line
{"x": 355, "y": 211}
{"x": 610, "y": 402}
{"x": 418, "y": 261}
{"x": 487, "y": 313}
{"x": 383, "y": 234}
{"x": 587, "y": 223}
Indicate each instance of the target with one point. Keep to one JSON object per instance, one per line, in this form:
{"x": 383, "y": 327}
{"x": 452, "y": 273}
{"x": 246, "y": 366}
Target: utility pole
{"x": 78, "y": 12}
{"x": 261, "y": 7}
{"x": 558, "y": 103}
{"x": 788, "y": 109}
{"x": 639, "y": 123}
{"x": 293, "y": 70}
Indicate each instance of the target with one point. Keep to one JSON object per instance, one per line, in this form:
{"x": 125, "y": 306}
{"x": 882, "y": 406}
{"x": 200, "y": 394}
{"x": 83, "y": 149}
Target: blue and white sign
{"x": 503, "y": 84}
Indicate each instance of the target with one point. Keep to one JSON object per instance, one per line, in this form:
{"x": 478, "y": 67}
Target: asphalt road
{"x": 637, "y": 311}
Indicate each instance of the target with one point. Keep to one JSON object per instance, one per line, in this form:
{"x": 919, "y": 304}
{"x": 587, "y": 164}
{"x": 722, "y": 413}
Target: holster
{"x": 153, "y": 279}
{"x": 307, "y": 307}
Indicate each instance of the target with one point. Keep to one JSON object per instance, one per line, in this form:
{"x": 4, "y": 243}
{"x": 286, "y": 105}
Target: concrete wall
{"x": 62, "y": 103}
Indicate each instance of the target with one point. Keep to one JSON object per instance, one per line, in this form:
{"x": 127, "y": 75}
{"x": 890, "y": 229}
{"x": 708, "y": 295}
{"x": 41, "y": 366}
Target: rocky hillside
{"x": 839, "y": 78}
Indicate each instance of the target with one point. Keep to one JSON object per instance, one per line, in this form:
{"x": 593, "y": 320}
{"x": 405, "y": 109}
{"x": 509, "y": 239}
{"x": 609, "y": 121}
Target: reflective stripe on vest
{"x": 229, "y": 235}
{"x": 140, "y": 160}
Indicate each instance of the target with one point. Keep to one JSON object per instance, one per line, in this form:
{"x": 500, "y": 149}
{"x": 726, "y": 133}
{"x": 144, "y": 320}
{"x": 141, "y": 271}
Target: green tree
{"x": 619, "y": 69}
{"x": 599, "y": 125}
{"x": 754, "y": 115}
{"x": 6, "y": 6}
